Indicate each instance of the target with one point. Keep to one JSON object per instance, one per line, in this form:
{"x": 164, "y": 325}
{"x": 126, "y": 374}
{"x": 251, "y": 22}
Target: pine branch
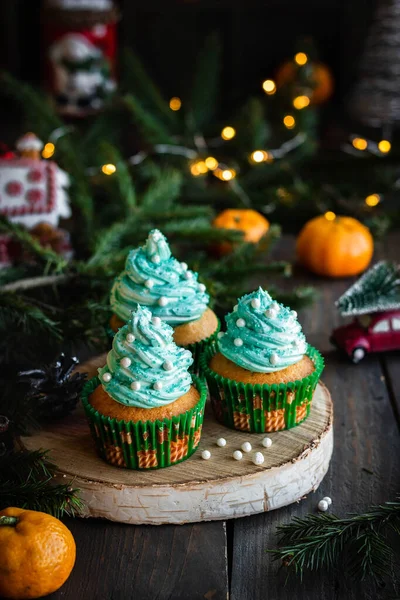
{"x": 163, "y": 192}
{"x": 122, "y": 177}
{"x": 18, "y": 314}
{"x": 205, "y": 84}
{"x": 151, "y": 127}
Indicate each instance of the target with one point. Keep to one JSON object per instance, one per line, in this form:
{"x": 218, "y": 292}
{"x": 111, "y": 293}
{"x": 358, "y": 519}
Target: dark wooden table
{"x": 219, "y": 560}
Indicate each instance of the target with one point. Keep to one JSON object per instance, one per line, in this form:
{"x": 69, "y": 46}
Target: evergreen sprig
{"x": 359, "y": 544}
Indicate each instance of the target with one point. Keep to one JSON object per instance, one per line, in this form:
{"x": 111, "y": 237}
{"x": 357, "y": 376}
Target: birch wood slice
{"x": 197, "y": 489}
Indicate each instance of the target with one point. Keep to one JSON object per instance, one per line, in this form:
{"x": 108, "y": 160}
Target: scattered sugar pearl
{"x": 328, "y": 500}
{"x": 130, "y": 338}
{"x": 274, "y": 358}
{"x": 156, "y": 321}
{"x": 258, "y": 458}
{"x": 135, "y": 386}
{"x": 241, "y": 323}
{"x": 246, "y": 447}
{"x": 255, "y": 303}
{"x": 220, "y": 334}
{"x": 168, "y": 366}
{"x": 221, "y": 442}
{"x": 206, "y": 455}
{"x": 184, "y": 266}
{"x": 238, "y": 342}
{"x": 201, "y": 287}
{"x": 163, "y": 301}
{"x": 156, "y": 259}
{"x": 267, "y": 442}
{"x": 126, "y": 362}
{"x": 323, "y": 505}
{"x": 235, "y": 308}
{"x": 107, "y": 377}
{"x": 149, "y": 283}
{"x": 237, "y": 455}
{"x": 157, "y": 386}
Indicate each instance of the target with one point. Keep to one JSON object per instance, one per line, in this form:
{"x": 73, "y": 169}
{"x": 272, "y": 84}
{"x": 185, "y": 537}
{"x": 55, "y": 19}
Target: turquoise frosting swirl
{"x": 153, "y": 278}
{"x": 145, "y": 368}
{"x": 262, "y": 335}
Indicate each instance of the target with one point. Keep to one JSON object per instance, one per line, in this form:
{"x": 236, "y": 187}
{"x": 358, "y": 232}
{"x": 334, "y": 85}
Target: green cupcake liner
{"x": 145, "y": 444}
{"x": 261, "y": 408}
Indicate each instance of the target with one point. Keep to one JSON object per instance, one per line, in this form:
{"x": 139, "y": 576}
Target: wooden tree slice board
{"x": 197, "y": 489}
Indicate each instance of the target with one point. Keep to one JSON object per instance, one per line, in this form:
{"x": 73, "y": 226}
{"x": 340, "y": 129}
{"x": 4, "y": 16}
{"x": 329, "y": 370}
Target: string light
{"x": 289, "y": 121}
{"x": 211, "y": 163}
{"x": 175, "y": 103}
{"x": 330, "y": 216}
{"x": 48, "y": 150}
{"x": 202, "y": 167}
{"x": 360, "y": 143}
{"x": 269, "y": 86}
{"x": 108, "y": 169}
{"x": 301, "y": 102}
{"x": 301, "y": 58}
{"x": 372, "y": 200}
{"x": 258, "y": 156}
{"x": 194, "y": 170}
{"x": 228, "y": 133}
{"x": 228, "y": 174}
{"x": 384, "y": 146}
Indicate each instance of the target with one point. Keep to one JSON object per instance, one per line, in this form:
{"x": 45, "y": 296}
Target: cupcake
{"x": 145, "y": 410}
{"x": 261, "y": 373}
{"x": 153, "y": 278}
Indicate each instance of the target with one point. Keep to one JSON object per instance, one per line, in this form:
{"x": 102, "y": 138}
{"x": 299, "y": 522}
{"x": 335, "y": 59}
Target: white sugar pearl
{"x": 275, "y": 306}
{"x": 156, "y": 259}
{"x": 201, "y": 287}
{"x": 163, "y": 301}
{"x": 221, "y": 442}
{"x": 107, "y": 377}
{"x": 274, "y": 358}
{"x": 246, "y": 447}
{"x": 328, "y": 500}
{"x": 126, "y": 362}
{"x": 238, "y": 342}
{"x": 293, "y": 314}
{"x": 156, "y": 321}
{"x": 241, "y": 323}
{"x": 221, "y": 334}
{"x": 184, "y": 266}
{"x": 188, "y": 275}
{"x": 270, "y": 313}
{"x": 135, "y": 386}
{"x": 267, "y": 442}
{"x": 157, "y": 386}
{"x": 237, "y": 455}
{"x": 130, "y": 338}
{"x": 235, "y": 308}
{"x": 255, "y": 303}
{"x": 149, "y": 283}
{"x": 323, "y": 505}
{"x": 258, "y": 458}
{"x": 206, "y": 455}
{"x": 168, "y": 366}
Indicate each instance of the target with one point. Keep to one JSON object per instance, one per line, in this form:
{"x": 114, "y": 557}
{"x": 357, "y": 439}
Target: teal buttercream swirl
{"x": 153, "y": 278}
{"x": 145, "y": 368}
{"x": 262, "y": 335}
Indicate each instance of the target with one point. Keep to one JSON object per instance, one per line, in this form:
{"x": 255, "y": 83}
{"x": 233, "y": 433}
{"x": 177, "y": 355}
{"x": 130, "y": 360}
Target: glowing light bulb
{"x": 48, "y": 150}
{"x": 228, "y": 174}
{"x": 202, "y": 167}
{"x": 372, "y": 200}
{"x": 228, "y": 133}
{"x": 384, "y": 146}
{"x": 301, "y": 102}
{"x": 211, "y": 163}
{"x": 258, "y": 156}
{"x": 289, "y": 121}
{"x": 269, "y": 86}
{"x": 175, "y": 103}
{"x": 195, "y": 170}
{"x": 360, "y": 143}
{"x": 330, "y": 216}
{"x": 301, "y": 58}
{"x": 108, "y": 169}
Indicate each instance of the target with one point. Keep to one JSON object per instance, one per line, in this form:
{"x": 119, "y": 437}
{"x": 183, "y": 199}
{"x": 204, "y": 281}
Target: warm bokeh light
{"x": 227, "y": 174}
{"x": 202, "y": 167}
{"x": 175, "y": 103}
{"x": 301, "y": 102}
{"x": 301, "y": 58}
{"x": 360, "y": 143}
{"x": 289, "y": 121}
{"x": 384, "y": 146}
{"x": 48, "y": 150}
{"x": 194, "y": 170}
{"x": 108, "y": 169}
{"x": 258, "y": 156}
{"x": 228, "y": 133}
{"x": 372, "y": 200}
{"x": 330, "y": 216}
{"x": 269, "y": 86}
{"x": 211, "y": 163}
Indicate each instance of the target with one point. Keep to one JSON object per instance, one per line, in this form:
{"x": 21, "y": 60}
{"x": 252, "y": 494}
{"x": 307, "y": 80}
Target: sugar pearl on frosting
{"x": 201, "y": 287}
{"x": 126, "y": 362}
{"x": 270, "y": 313}
{"x": 221, "y": 442}
{"x": 107, "y": 377}
{"x": 274, "y": 358}
{"x": 135, "y": 386}
{"x": 163, "y": 301}
{"x": 255, "y": 303}
{"x": 168, "y": 366}
{"x": 221, "y": 334}
{"x": 237, "y": 455}
{"x": 241, "y": 323}
{"x": 184, "y": 266}
{"x": 238, "y": 342}
{"x": 157, "y": 386}
{"x": 188, "y": 275}
{"x": 275, "y": 306}
{"x": 156, "y": 321}
{"x": 156, "y": 259}
{"x": 246, "y": 447}
{"x": 258, "y": 458}
{"x": 130, "y": 338}
{"x": 206, "y": 455}
{"x": 149, "y": 283}
{"x": 293, "y": 314}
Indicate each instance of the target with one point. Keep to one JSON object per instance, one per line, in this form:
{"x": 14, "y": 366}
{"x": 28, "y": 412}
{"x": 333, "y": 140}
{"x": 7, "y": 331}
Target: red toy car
{"x": 376, "y": 332}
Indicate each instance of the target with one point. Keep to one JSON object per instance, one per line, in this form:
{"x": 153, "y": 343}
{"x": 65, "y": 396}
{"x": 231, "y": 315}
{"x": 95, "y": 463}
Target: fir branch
{"x": 18, "y": 314}
{"x": 122, "y": 177}
{"x": 163, "y": 191}
{"x": 151, "y": 127}
{"x": 205, "y": 84}
{"x": 34, "y": 282}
